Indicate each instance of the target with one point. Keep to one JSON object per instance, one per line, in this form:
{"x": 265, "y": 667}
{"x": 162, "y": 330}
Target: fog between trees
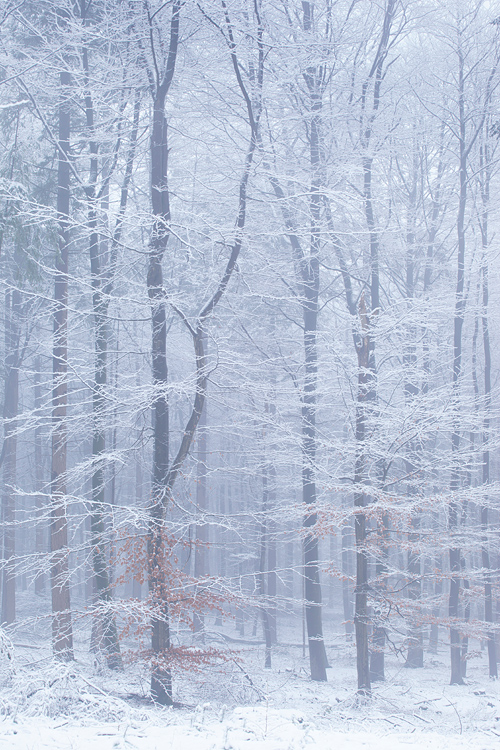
{"x": 249, "y": 263}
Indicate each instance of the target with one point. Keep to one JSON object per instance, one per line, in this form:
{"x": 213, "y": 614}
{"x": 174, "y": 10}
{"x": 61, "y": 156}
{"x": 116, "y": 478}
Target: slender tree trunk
{"x": 109, "y": 642}
{"x": 261, "y": 576}
{"x": 415, "y": 654}
{"x": 485, "y": 553}
{"x": 453, "y": 511}
{"x": 369, "y": 400}
{"x": 437, "y": 561}
{"x": 221, "y": 550}
{"x": 161, "y": 676}
{"x": 313, "y": 598}
{"x": 464, "y": 651}
{"x": 139, "y": 503}
{"x": 105, "y": 629}
{"x": 161, "y": 679}
{"x": 310, "y": 292}
{"x": 201, "y": 536}
{"x": 361, "y": 614}
{"x": 271, "y": 577}
{"x": 62, "y": 631}
{"x": 367, "y": 394}
{"x": 10, "y": 409}
{"x": 164, "y": 476}
{"x": 377, "y": 656}
{"x": 347, "y": 573}
{"x": 41, "y": 530}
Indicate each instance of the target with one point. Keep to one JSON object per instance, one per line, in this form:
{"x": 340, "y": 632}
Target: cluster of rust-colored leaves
{"x": 176, "y": 597}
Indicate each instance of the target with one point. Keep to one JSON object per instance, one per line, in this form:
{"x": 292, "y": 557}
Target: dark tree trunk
{"x": 161, "y": 680}
{"x": 312, "y": 591}
{"x": 309, "y": 267}
{"x": 164, "y": 476}
{"x": 62, "y": 631}
{"x": 161, "y": 677}
{"x": 367, "y": 372}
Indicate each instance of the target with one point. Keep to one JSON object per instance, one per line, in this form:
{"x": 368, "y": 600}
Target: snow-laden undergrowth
{"x": 239, "y": 705}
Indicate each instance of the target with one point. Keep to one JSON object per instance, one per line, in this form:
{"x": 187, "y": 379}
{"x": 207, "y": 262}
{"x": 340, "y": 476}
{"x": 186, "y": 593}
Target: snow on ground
{"x": 241, "y": 706}
{"x": 281, "y": 734}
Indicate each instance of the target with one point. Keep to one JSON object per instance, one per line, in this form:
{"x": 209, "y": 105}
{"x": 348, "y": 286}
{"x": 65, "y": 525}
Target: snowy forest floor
{"x": 238, "y": 704}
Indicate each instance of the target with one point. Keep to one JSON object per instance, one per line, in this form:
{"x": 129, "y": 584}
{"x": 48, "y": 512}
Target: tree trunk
{"x": 62, "y": 631}
{"x": 415, "y": 653}
{"x": 310, "y": 293}
{"x": 201, "y": 536}
{"x": 261, "y": 576}
{"x": 10, "y": 409}
{"x": 41, "y": 530}
{"x": 139, "y": 503}
{"x": 453, "y": 511}
{"x": 161, "y": 679}
{"x": 377, "y": 656}
{"x": 361, "y": 615}
{"x": 105, "y": 627}
{"x": 485, "y": 553}
{"x": 464, "y": 651}
{"x": 271, "y": 577}
{"x": 346, "y": 576}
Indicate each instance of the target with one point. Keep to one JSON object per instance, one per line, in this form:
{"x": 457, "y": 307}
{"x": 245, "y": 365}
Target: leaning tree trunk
{"x": 165, "y": 475}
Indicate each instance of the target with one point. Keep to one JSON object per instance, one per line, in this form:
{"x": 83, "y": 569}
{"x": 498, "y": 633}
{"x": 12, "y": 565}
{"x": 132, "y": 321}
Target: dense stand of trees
{"x": 248, "y": 255}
